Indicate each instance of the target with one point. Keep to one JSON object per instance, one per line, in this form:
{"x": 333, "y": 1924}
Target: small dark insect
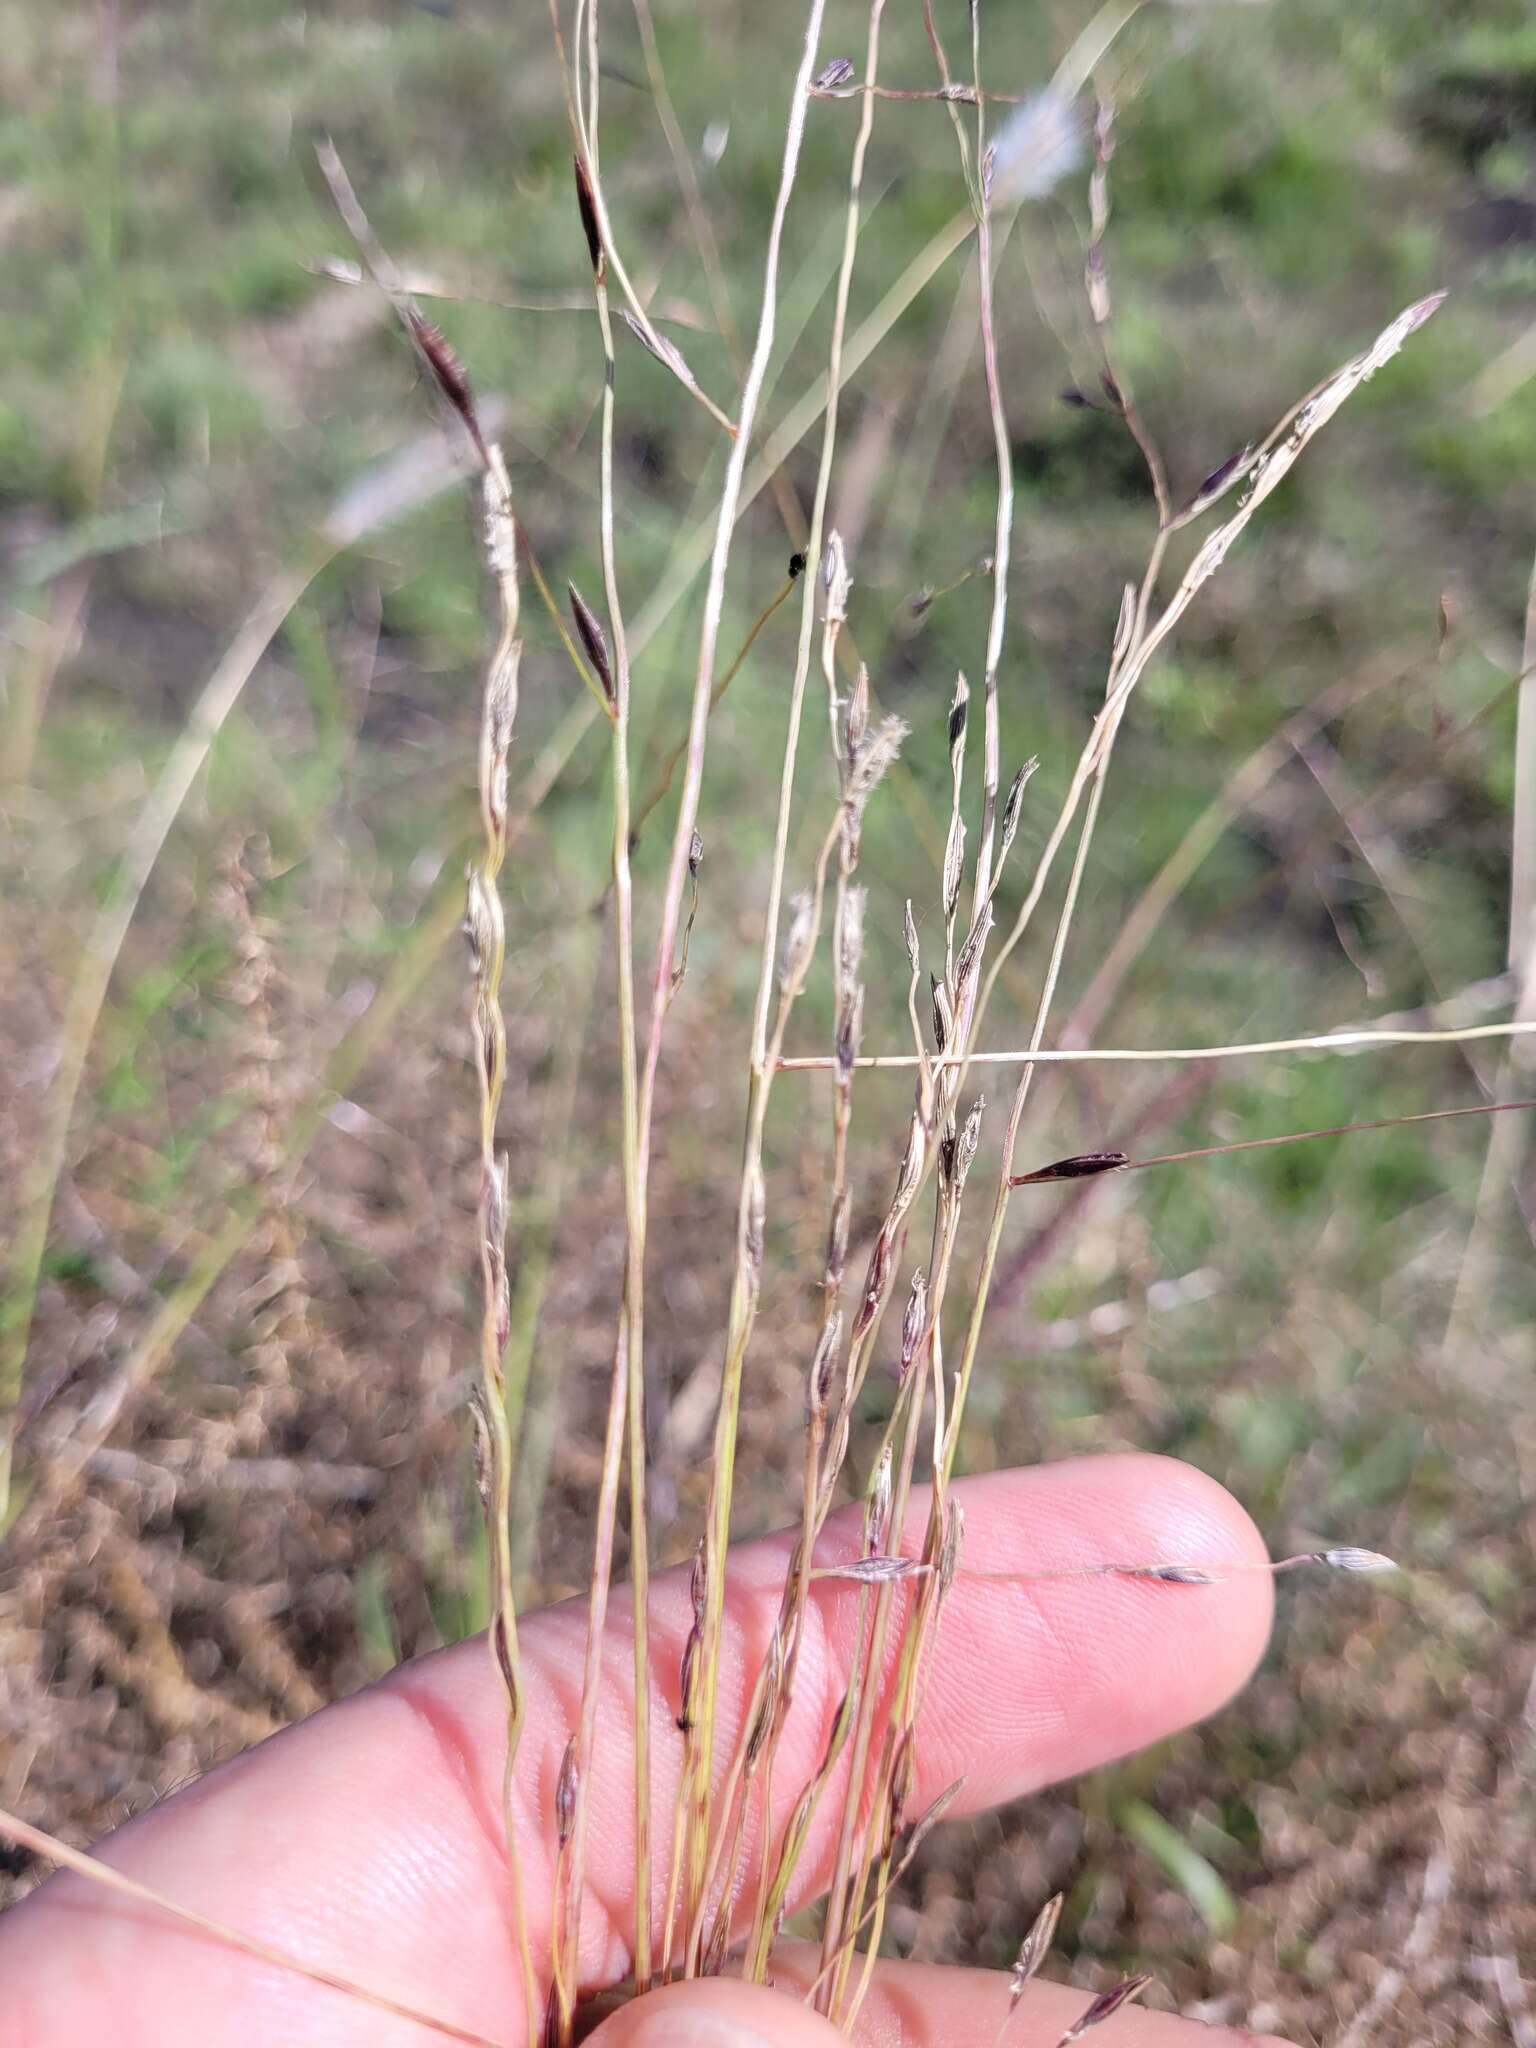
{"x": 837, "y": 73}
{"x": 796, "y": 566}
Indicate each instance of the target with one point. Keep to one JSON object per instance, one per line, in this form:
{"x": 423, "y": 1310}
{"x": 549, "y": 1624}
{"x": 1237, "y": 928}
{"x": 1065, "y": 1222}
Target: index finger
{"x": 370, "y": 1837}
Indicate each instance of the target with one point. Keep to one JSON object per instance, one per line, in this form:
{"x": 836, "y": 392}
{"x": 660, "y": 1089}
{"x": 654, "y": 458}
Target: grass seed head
{"x": 799, "y": 939}
{"x": 818, "y": 1389}
{"x": 856, "y": 718}
{"x": 913, "y": 1321}
{"x": 587, "y": 203}
{"x": 1104, "y": 2007}
{"x": 594, "y": 640}
{"x": 949, "y": 1550}
{"x": 448, "y": 374}
{"x": 565, "y": 1794}
{"x": 1034, "y": 1948}
{"x": 1349, "y": 1559}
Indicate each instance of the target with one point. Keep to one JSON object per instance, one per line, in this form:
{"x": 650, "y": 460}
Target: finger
{"x": 910, "y": 2005}
{"x": 371, "y": 1837}
{"x": 920, "y": 2005}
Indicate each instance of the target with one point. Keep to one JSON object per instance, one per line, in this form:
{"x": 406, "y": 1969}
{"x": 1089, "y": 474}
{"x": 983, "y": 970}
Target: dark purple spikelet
{"x": 594, "y": 640}
{"x": 1079, "y": 1167}
{"x": 587, "y": 202}
{"x": 448, "y": 373}
{"x": 1104, "y": 2007}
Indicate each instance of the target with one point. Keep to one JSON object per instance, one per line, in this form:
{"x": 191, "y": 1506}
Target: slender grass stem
{"x": 699, "y": 1754}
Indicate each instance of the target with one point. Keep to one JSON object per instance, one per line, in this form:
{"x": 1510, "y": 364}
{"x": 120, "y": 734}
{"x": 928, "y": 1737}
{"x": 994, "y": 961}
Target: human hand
{"x": 369, "y": 1839}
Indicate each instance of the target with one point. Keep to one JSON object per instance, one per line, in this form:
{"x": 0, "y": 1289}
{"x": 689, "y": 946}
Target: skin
{"x": 370, "y": 1837}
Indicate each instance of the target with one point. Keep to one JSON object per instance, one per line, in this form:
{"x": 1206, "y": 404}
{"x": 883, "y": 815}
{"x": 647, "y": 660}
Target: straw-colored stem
{"x": 626, "y": 1415}
{"x": 699, "y": 1758}
{"x": 1002, "y": 539}
{"x": 1089, "y": 1055}
{"x": 486, "y": 930}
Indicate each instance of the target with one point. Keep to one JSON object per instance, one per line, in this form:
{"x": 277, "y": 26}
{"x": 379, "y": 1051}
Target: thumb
{"x": 716, "y": 2012}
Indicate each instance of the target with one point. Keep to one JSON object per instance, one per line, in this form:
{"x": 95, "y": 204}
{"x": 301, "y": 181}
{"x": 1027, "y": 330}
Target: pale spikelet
{"x": 876, "y": 1279}
{"x": 876, "y": 1570}
{"x": 835, "y": 75}
{"x": 481, "y": 1447}
{"x": 685, "y": 1678}
{"x": 913, "y": 1322}
{"x": 763, "y": 1719}
{"x": 949, "y": 1552}
{"x": 1349, "y": 1559}
{"x": 1034, "y": 1949}
{"x": 837, "y": 1241}
{"x": 1175, "y": 1574}
{"x": 877, "y": 1512}
{"x": 943, "y": 1014}
{"x": 1038, "y": 146}
{"x": 500, "y": 524}
{"x": 757, "y": 1217}
{"x": 662, "y": 348}
{"x": 856, "y": 717}
{"x": 835, "y": 579}
{"x": 799, "y": 941}
{"x": 954, "y": 864}
{"x": 909, "y": 1178}
{"x": 565, "y": 1794}
{"x": 1014, "y": 805}
{"x": 850, "y": 935}
{"x": 875, "y": 757}
{"x": 818, "y": 1388}
{"x": 970, "y": 1138}
{"x": 927, "y": 1821}
{"x": 968, "y": 966}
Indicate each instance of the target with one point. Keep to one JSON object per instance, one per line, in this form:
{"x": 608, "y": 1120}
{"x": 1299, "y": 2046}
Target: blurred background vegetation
{"x": 257, "y": 1268}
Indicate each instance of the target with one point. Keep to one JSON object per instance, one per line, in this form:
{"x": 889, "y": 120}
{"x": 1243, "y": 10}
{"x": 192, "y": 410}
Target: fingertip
{"x": 1086, "y": 1660}
{"x": 716, "y": 2012}
{"x": 1191, "y": 1518}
